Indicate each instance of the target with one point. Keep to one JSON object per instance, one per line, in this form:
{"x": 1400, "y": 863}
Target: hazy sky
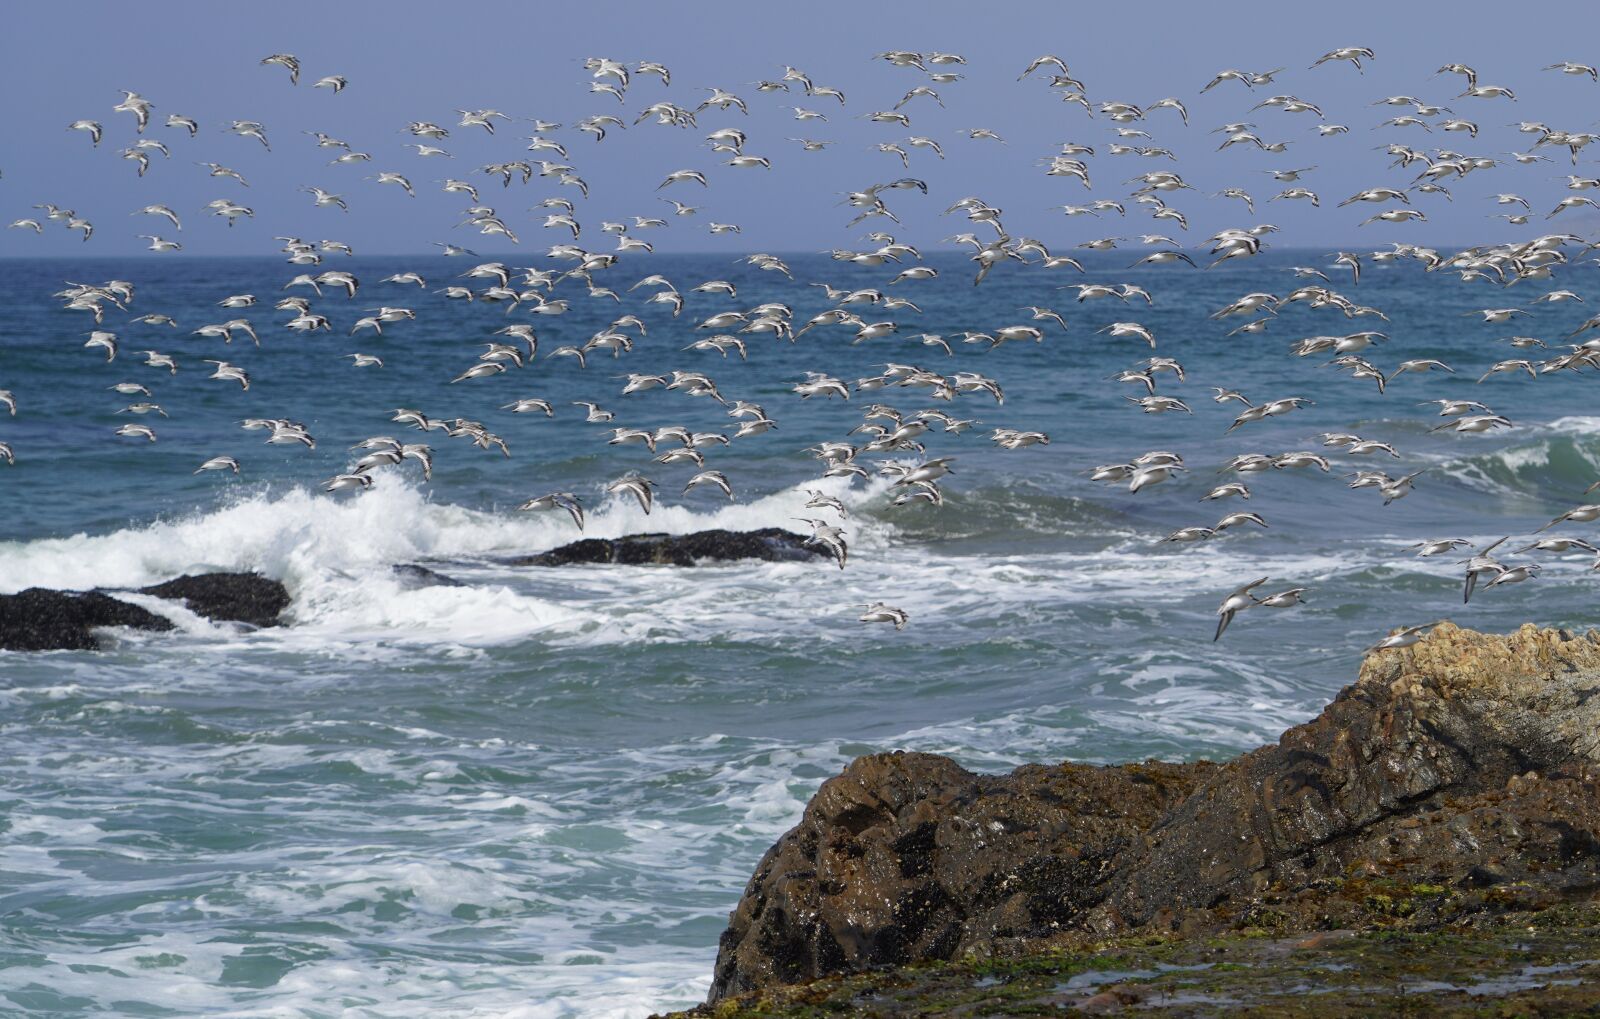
{"x": 410, "y": 60}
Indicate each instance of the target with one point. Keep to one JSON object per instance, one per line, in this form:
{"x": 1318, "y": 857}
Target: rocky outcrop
{"x": 1454, "y": 780}
{"x": 39, "y": 619}
{"x": 227, "y": 597}
{"x": 773, "y": 544}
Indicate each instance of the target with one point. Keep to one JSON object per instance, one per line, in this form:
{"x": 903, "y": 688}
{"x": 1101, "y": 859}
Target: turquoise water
{"x": 541, "y": 792}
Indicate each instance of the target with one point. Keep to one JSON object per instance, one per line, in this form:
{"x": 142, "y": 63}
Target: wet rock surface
{"x": 414, "y": 575}
{"x": 227, "y": 597}
{"x": 1547, "y": 965}
{"x": 1454, "y": 783}
{"x": 39, "y": 619}
{"x": 771, "y": 544}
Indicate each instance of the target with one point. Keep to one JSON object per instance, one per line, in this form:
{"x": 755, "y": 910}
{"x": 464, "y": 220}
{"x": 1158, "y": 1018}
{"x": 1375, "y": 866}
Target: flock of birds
{"x": 1423, "y": 175}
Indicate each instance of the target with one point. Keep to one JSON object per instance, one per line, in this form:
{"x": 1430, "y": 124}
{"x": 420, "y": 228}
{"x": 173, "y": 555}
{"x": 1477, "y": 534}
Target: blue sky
{"x": 410, "y": 60}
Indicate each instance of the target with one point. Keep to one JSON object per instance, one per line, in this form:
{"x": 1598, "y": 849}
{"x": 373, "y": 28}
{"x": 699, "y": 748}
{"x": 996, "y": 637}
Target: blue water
{"x": 540, "y": 793}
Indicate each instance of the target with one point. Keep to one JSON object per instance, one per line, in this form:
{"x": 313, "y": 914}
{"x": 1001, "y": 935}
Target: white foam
{"x": 335, "y": 556}
{"x": 1576, "y": 425}
{"x": 299, "y": 534}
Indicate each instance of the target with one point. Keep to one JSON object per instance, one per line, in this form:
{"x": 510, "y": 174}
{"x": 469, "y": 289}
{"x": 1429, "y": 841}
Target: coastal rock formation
{"x": 227, "y": 597}
{"x": 1455, "y": 780}
{"x": 43, "y": 620}
{"x": 39, "y": 619}
{"x": 773, "y": 544}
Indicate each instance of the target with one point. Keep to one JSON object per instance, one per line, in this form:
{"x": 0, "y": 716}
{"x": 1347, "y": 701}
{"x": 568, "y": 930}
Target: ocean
{"x": 541, "y": 792}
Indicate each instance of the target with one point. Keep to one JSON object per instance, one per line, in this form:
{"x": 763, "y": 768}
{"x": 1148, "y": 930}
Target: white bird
{"x": 640, "y": 488}
{"x": 219, "y": 463}
{"x": 714, "y": 478}
{"x": 287, "y": 61}
{"x": 1237, "y": 601}
{"x": 557, "y": 500}
{"x": 878, "y": 612}
{"x": 1402, "y": 638}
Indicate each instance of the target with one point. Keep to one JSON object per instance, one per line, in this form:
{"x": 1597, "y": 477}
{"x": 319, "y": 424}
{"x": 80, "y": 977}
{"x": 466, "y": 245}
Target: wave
{"x": 970, "y": 559}
{"x": 1011, "y": 513}
{"x": 1562, "y": 455}
{"x": 299, "y": 534}
{"x": 335, "y": 555}
{"x": 1525, "y": 468}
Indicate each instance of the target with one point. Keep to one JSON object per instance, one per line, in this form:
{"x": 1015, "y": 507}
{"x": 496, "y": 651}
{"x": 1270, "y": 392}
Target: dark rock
{"x": 227, "y": 597}
{"x": 41, "y": 620}
{"x": 1457, "y": 779}
{"x": 420, "y": 576}
{"x": 773, "y": 544}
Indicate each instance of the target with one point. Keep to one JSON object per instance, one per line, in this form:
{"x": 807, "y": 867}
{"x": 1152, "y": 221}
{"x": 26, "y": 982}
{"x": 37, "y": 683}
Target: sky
{"x": 408, "y": 60}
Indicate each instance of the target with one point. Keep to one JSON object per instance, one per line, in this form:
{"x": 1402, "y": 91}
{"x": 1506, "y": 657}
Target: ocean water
{"x": 541, "y": 792}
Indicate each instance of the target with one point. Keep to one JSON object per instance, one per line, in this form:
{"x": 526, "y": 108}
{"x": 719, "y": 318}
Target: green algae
{"x": 1536, "y": 965}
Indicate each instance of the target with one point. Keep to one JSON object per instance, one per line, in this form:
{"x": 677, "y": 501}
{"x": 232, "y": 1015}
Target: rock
{"x": 908, "y": 856}
{"x": 415, "y": 576}
{"x": 1454, "y": 781}
{"x": 773, "y": 544}
{"x": 1507, "y": 966}
{"x": 227, "y": 597}
{"x": 41, "y": 620}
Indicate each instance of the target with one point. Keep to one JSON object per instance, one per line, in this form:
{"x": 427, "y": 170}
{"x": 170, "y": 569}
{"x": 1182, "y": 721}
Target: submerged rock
{"x": 413, "y": 576}
{"x": 42, "y": 620}
{"x": 1455, "y": 780}
{"x": 39, "y": 619}
{"x": 227, "y": 597}
{"x": 773, "y": 544}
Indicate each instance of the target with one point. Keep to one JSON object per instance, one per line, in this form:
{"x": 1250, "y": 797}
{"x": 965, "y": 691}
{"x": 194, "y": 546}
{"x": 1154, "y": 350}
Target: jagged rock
{"x": 227, "y": 597}
{"x": 1453, "y": 781}
{"x": 908, "y": 856}
{"x": 773, "y": 544}
{"x": 42, "y": 620}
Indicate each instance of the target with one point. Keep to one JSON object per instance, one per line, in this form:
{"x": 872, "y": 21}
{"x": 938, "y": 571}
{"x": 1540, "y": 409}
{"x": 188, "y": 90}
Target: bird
{"x": 91, "y": 127}
{"x": 1481, "y": 563}
{"x": 219, "y": 463}
{"x": 1283, "y": 599}
{"x": 642, "y": 490}
{"x": 287, "y": 61}
{"x": 1578, "y": 514}
{"x": 344, "y": 482}
{"x": 1438, "y": 546}
{"x": 557, "y": 500}
{"x": 1403, "y": 638}
{"x": 716, "y": 479}
{"x": 878, "y": 612}
{"x": 1514, "y": 574}
{"x": 1237, "y": 601}
{"x": 830, "y": 538}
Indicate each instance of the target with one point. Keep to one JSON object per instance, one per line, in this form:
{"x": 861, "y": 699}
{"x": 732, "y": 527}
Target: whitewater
{"x": 540, "y": 792}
